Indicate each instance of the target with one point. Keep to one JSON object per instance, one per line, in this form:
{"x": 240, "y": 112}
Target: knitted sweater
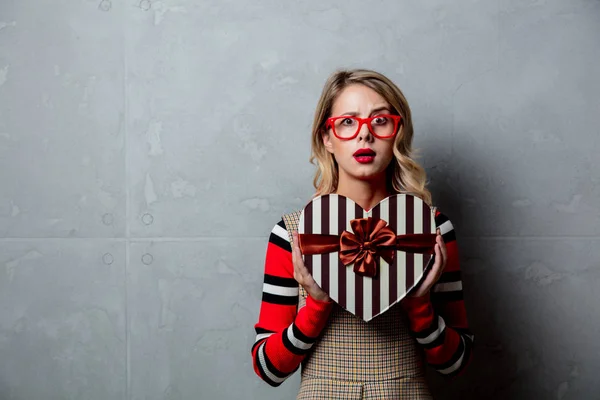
{"x": 284, "y": 334}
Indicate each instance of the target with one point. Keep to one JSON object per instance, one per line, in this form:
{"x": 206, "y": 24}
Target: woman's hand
{"x": 303, "y": 276}
{"x": 436, "y": 270}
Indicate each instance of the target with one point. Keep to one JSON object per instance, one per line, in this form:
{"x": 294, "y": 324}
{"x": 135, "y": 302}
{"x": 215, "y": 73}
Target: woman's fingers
{"x": 440, "y": 261}
{"x": 299, "y": 267}
{"x": 437, "y": 265}
{"x": 297, "y": 272}
{"x": 303, "y": 275}
{"x": 433, "y": 274}
{"x": 444, "y": 251}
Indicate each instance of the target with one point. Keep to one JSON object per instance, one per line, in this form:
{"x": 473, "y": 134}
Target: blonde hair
{"x": 404, "y": 174}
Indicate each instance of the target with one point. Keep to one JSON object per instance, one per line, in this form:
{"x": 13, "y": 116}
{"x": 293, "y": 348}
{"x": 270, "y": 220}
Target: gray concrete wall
{"x": 148, "y": 147}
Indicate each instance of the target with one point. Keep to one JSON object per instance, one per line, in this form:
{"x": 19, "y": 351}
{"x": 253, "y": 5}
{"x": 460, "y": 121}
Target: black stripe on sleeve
{"x": 277, "y": 299}
{"x": 257, "y": 343}
{"x": 280, "y": 281}
{"x": 449, "y": 236}
{"x": 455, "y": 357}
{"x": 451, "y": 276}
{"x": 440, "y": 219}
{"x": 260, "y": 330}
{"x": 447, "y": 297}
{"x": 279, "y": 242}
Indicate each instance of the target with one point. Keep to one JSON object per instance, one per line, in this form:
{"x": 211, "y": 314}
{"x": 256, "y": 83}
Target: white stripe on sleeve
{"x": 446, "y": 227}
{"x": 448, "y": 287}
{"x": 435, "y": 334}
{"x": 282, "y": 233}
{"x": 261, "y": 358}
{"x": 280, "y": 290}
{"x": 297, "y": 342}
{"x": 261, "y": 336}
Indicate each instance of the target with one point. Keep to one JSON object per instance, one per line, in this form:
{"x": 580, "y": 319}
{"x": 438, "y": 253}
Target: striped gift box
{"x": 364, "y": 296}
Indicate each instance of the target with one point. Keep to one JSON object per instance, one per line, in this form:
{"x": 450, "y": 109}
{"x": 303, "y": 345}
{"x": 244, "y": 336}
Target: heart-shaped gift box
{"x": 367, "y": 261}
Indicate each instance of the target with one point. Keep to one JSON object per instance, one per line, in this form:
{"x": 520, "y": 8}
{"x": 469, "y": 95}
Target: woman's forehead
{"x": 358, "y": 99}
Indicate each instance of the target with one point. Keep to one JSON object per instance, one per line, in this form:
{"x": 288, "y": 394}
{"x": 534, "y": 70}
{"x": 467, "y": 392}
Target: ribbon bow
{"x": 372, "y": 238}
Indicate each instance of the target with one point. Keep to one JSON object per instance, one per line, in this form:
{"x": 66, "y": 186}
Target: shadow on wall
{"x": 491, "y": 370}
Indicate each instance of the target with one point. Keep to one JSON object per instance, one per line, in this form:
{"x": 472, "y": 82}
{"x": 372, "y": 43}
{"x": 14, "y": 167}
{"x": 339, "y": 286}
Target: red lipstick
{"x": 364, "y": 155}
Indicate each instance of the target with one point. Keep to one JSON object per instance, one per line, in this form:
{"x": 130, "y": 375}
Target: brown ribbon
{"x": 372, "y": 238}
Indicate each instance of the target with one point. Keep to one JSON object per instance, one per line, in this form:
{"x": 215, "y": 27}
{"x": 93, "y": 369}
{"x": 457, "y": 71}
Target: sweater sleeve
{"x": 438, "y": 320}
{"x": 284, "y": 335}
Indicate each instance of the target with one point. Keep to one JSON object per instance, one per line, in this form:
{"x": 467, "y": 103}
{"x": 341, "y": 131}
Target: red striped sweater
{"x": 284, "y": 335}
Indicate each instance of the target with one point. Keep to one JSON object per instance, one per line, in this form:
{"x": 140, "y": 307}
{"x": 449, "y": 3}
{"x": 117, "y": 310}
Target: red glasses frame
{"x": 330, "y": 123}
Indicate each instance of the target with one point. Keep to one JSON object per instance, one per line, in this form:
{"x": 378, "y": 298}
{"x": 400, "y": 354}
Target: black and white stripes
{"x": 449, "y": 285}
{"x": 269, "y": 373}
{"x": 260, "y": 335}
{"x": 446, "y": 228}
{"x": 434, "y": 335}
{"x": 280, "y": 237}
{"x": 456, "y": 362}
{"x": 293, "y": 339}
{"x": 296, "y": 342}
{"x": 278, "y": 290}
{"x": 448, "y": 288}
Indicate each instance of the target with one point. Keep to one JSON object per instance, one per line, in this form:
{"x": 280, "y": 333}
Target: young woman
{"x": 362, "y": 143}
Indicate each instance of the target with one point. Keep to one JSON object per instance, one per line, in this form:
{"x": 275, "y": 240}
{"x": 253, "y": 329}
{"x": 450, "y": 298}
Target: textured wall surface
{"x": 148, "y": 147}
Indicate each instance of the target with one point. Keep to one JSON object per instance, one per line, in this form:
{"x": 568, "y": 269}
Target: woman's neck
{"x": 364, "y": 193}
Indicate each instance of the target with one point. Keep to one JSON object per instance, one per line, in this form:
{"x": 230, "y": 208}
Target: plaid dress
{"x": 354, "y": 359}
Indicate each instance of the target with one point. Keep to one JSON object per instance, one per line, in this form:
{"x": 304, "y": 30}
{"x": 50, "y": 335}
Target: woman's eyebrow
{"x": 378, "y": 109}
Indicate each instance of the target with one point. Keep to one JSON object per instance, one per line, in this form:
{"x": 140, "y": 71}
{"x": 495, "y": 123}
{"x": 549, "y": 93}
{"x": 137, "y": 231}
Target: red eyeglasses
{"x": 346, "y": 127}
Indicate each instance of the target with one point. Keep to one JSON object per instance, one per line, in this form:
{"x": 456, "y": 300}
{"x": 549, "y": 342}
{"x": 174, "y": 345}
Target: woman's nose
{"x": 364, "y": 133}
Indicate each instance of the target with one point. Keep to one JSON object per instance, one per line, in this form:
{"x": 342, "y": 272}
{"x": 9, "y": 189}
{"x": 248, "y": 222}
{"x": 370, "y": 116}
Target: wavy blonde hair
{"x": 404, "y": 174}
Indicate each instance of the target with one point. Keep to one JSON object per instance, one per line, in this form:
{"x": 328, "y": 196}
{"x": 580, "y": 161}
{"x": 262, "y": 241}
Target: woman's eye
{"x": 347, "y": 121}
{"x": 380, "y": 120}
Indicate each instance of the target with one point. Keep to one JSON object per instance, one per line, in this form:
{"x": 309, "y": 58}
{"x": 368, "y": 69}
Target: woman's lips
{"x": 364, "y": 159}
{"x": 364, "y": 156}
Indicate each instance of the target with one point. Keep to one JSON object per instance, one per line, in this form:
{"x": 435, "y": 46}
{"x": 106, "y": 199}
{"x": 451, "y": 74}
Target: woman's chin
{"x": 369, "y": 175}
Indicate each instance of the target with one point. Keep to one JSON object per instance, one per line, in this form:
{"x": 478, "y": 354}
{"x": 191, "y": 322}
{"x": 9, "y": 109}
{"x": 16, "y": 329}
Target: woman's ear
{"x": 326, "y": 136}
